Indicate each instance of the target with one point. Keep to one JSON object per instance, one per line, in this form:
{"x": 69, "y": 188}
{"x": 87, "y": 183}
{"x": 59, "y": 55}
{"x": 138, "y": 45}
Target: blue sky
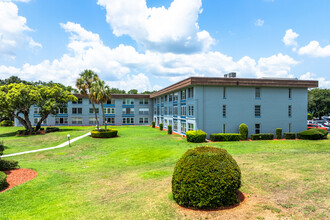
{"x": 151, "y": 44}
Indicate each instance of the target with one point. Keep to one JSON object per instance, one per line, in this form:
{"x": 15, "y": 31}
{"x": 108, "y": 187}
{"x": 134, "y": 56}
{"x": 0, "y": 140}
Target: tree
{"x": 117, "y": 91}
{"x": 319, "y": 102}
{"x": 148, "y": 92}
{"x": 133, "y": 91}
{"x": 84, "y": 84}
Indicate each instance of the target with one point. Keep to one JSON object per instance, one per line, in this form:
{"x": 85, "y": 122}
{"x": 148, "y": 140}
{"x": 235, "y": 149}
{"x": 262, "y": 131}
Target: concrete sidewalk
{"x": 49, "y": 148}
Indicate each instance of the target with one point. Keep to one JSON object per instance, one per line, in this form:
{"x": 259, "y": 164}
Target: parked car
{"x": 310, "y": 126}
{"x": 323, "y": 126}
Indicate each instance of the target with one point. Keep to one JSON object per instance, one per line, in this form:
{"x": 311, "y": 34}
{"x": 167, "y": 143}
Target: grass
{"x": 129, "y": 177}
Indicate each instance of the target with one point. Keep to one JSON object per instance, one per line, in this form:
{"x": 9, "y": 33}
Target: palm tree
{"x": 84, "y": 85}
{"x": 100, "y": 93}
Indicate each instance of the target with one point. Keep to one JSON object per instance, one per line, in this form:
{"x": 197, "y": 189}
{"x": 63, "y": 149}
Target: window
{"x": 183, "y": 110}
{"x": 190, "y": 127}
{"x": 76, "y": 120}
{"x": 165, "y": 122}
{"x": 36, "y": 111}
{"x": 143, "y": 101}
{"x": 92, "y": 121}
{"x": 224, "y": 112}
{"x": 62, "y": 111}
{"x": 128, "y": 120}
{"x": 165, "y": 111}
{"x": 110, "y": 120}
{"x": 257, "y": 111}
{"x": 79, "y": 101}
{"x": 191, "y": 110}
{"x": 257, "y": 128}
{"x": 175, "y": 125}
{"x": 36, "y": 120}
{"x": 76, "y": 110}
{"x": 128, "y": 110}
{"x": 162, "y": 110}
{"x": 289, "y": 111}
{"x": 175, "y": 97}
{"x": 169, "y": 122}
{"x": 183, "y": 127}
{"x": 175, "y": 110}
{"x": 128, "y": 101}
{"x": 141, "y": 120}
{"x": 170, "y": 110}
{"x": 170, "y": 98}
{"x": 146, "y": 120}
{"x": 61, "y": 120}
{"x": 290, "y": 93}
{"x": 91, "y": 110}
{"x": 257, "y": 93}
{"x": 224, "y": 92}
{"x": 289, "y": 127}
{"x": 183, "y": 94}
{"x": 223, "y": 128}
{"x": 111, "y": 101}
{"x": 190, "y": 92}
{"x": 144, "y": 111}
{"x": 109, "y": 110}
{"x": 162, "y": 99}
{"x": 165, "y": 98}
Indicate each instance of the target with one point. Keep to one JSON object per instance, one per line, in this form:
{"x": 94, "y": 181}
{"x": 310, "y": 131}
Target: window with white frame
{"x": 76, "y": 120}
{"x": 175, "y": 96}
{"x": 257, "y": 110}
{"x": 224, "y": 93}
{"x": 110, "y": 120}
{"x": 79, "y": 101}
{"x": 289, "y": 110}
{"x": 109, "y": 110}
{"x": 144, "y": 111}
{"x": 190, "y": 110}
{"x": 62, "y": 110}
{"x": 146, "y": 120}
{"x": 165, "y": 122}
{"x": 183, "y": 94}
{"x": 170, "y": 97}
{"x": 257, "y": 93}
{"x": 144, "y": 101}
{"x": 290, "y": 93}
{"x": 190, "y": 126}
{"x": 92, "y": 120}
{"x": 162, "y": 112}
{"x": 61, "y": 120}
{"x": 128, "y": 110}
{"x": 91, "y": 110}
{"x": 183, "y": 127}
{"x": 175, "y": 110}
{"x": 170, "y": 112}
{"x": 37, "y": 110}
{"x": 36, "y": 120}
{"x": 128, "y": 120}
{"x": 183, "y": 110}
{"x": 257, "y": 128}
{"x": 128, "y": 101}
{"x": 224, "y": 111}
{"x": 76, "y": 110}
{"x": 140, "y": 120}
{"x": 111, "y": 102}
{"x": 191, "y": 92}
{"x": 165, "y": 111}
{"x": 175, "y": 125}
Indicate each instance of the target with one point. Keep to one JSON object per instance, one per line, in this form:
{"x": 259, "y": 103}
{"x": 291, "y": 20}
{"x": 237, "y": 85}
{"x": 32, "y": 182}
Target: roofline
{"x": 119, "y": 96}
{"x": 221, "y": 81}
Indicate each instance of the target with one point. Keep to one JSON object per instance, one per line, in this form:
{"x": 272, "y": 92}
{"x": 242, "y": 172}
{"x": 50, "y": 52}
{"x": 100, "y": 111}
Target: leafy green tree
{"x": 117, "y": 91}
{"x": 133, "y": 91}
{"x": 84, "y": 85}
{"x": 319, "y": 102}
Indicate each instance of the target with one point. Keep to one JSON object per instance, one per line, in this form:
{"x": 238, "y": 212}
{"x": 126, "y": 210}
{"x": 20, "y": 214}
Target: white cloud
{"x": 259, "y": 22}
{"x": 323, "y": 83}
{"x": 140, "y": 82}
{"x": 314, "y": 49}
{"x": 289, "y": 38}
{"x": 164, "y": 30}
{"x": 12, "y": 30}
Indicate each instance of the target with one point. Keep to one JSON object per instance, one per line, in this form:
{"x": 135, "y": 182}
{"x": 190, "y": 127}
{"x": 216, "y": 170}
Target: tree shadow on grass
{"x": 10, "y": 134}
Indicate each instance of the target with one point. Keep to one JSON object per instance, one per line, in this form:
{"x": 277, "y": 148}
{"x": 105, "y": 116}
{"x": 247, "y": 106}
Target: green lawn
{"x": 129, "y": 177}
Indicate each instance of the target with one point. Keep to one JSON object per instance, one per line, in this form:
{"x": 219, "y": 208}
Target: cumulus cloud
{"x": 314, "y": 49}
{"x": 13, "y": 30}
{"x": 289, "y": 38}
{"x": 259, "y": 22}
{"x": 165, "y": 30}
{"x": 323, "y": 83}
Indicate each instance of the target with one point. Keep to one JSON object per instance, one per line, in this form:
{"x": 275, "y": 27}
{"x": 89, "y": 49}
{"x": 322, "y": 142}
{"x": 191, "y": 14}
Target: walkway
{"x": 49, "y": 148}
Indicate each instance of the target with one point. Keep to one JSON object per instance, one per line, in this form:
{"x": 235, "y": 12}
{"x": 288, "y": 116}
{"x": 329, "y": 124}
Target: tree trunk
{"x": 28, "y": 122}
{"x": 104, "y": 122}
{"x": 97, "y": 121}
{"x": 21, "y": 120}
{"x": 38, "y": 126}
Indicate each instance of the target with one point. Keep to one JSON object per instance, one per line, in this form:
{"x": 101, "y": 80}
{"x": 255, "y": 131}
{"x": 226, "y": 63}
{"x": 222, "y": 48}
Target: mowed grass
{"x": 17, "y": 144}
{"x": 129, "y": 177}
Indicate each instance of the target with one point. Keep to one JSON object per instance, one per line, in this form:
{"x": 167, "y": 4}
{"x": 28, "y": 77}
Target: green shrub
{"x": 2, "y": 148}
{"x": 289, "y": 135}
{"x": 8, "y": 164}
{"x": 265, "y": 136}
{"x": 109, "y": 133}
{"x": 225, "y": 137}
{"x": 244, "y": 131}
{"x": 52, "y": 129}
{"x": 310, "y": 116}
{"x": 6, "y": 123}
{"x": 313, "y": 134}
{"x": 161, "y": 126}
{"x": 197, "y": 136}
{"x": 278, "y": 133}
{"x": 169, "y": 129}
{"x": 206, "y": 178}
{"x": 153, "y": 124}
{"x": 3, "y": 181}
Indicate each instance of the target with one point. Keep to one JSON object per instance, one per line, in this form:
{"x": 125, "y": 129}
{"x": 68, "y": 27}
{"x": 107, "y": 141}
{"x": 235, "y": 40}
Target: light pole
{"x": 69, "y": 140}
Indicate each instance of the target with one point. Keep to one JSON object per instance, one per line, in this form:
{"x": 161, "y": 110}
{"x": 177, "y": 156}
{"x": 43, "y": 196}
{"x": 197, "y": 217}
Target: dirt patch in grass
{"x": 19, "y": 176}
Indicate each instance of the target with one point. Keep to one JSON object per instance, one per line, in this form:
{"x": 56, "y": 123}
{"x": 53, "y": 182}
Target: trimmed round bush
{"x": 161, "y": 126}
{"x": 244, "y": 131}
{"x": 169, "y": 129}
{"x": 109, "y": 133}
{"x": 206, "y": 178}
{"x": 278, "y": 133}
{"x": 313, "y": 134}
{"x": 153, "y": 124}
{"x": 225, "y": 137}
{"x": 3, "y": 181}
{"x": 289, "y": 135}
{"x": 197, "y": 136}
{"x": 6, "y": 123}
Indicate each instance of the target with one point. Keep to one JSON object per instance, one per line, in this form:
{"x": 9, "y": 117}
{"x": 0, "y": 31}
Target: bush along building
{"x": 214, "y": 105}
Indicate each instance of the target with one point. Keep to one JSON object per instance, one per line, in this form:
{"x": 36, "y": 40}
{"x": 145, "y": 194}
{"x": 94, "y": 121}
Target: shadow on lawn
{"x": 10, "y": 134}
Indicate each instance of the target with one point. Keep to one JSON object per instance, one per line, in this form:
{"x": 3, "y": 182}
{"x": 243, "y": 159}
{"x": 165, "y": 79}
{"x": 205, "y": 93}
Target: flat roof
{"x": 221, "y": 81}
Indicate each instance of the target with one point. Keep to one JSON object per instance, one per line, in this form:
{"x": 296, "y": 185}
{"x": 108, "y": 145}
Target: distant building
{"x": 214, "y": 105}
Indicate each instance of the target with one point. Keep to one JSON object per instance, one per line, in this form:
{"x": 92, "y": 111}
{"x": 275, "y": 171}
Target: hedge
{"x": 109, "y": 133}
{"x": 206, "y": 178}
{"x": 197, "y": 136}
{"x": 265, "y": 136}
{"x": 3, "y": 181}
{"x": 161, "y": 126}
{"x": 225, "y": 137}
{"x": 8, "y": 164}
{"x": 244, "y": 131}
{"x": 6, "y": 123}
{"x": 289, "y": 135}
{"x": 52, "y": 129}
{"x": 278, "y": 133}
{"x": 169, "y": 129}
{"x": 153, "y": 124}
{"x": 313, "y": 134}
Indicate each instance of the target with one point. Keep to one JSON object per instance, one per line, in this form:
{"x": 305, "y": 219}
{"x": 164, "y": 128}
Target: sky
{"x": 151, "y": 44}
